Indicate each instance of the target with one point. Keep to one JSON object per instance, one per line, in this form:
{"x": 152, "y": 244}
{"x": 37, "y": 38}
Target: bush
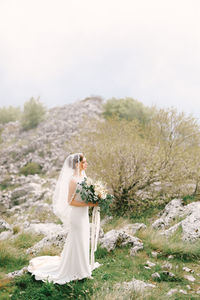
{"x": 131, "y": 158}
{"x": 128, "y": 109}
{"x": 31, "y": 169}
{"x": 33, "y": 114}
{"x": 8, "y": 114}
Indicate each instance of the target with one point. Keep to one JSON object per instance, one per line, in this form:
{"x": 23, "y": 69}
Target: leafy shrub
{"x": 8, "y": 114}
{"x": 30, "y": 169}
{"x": 33, "y": 114}
{"x": 128, "y": 109}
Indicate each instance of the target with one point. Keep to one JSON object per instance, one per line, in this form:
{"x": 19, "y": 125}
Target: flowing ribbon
{"x": 95, "y": 233}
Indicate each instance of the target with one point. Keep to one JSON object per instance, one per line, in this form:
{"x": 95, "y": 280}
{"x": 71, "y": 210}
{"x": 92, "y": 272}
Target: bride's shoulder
{"x": 73, "y": 179}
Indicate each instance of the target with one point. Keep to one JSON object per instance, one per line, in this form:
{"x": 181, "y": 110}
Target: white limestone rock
{"x": 186, "y": 269}
{"x": 189, "y": 277}
{"x": 45, "y": 228}
{"x": 115, "y": 238}
{"x": 135, "y": 285}
{"x": 4, "y": 225}
{"x": 133, "y": 228}
{"x": 172, "y": 291}
{"x": 17, "y": 273}
{"x": 5, "y": 235}
{"x": 173, "y": 209}
{"x": 167, "y": 266}
{"x": 150, "y": 264}
{"x": 57, "y": 240}
{"x": 190, "y": 223}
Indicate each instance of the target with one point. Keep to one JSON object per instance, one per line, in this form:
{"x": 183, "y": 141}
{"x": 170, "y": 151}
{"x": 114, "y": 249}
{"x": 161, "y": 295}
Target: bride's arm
{"x": 72, "y": 194}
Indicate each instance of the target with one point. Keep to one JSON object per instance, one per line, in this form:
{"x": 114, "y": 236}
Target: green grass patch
{"x": 26, "y": 240}
{"x": 11, "y": 259}
{"x": 173, "y": 245}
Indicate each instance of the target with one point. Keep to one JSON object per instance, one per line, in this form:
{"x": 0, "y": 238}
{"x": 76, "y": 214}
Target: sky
{"x": 65, "y": 50}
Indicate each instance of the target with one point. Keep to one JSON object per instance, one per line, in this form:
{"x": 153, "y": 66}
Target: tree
{"x": 33, "y": 114}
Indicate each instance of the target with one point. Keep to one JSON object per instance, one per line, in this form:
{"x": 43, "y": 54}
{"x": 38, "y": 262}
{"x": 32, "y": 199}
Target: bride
{"x": 74, "y": 262}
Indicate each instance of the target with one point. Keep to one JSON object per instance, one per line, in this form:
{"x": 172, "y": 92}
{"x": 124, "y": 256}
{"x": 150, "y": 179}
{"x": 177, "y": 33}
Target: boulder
{"x": 57, "y": 240}
{"x": 114, "y": 238}
{"x": 190, "y": 223}
{"x": 135, "y": 285}
{"x": 48, "y": 229}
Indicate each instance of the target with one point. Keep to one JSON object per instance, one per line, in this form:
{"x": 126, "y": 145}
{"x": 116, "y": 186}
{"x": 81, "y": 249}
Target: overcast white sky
{"x": 65, "y": 50}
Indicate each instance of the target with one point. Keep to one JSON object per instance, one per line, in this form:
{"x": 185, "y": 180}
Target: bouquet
{"x": 94, "y": 192}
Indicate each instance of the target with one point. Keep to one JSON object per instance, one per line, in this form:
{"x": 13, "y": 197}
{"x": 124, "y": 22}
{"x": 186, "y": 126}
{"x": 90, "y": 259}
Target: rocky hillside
{"x": 154, "y": 255}
{"x": 47, "y": 146}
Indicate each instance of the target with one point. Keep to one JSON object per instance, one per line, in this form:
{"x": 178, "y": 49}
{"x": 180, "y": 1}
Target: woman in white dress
{"x": 73, "y": 263}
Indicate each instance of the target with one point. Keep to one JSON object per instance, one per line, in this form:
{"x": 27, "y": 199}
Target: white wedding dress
{"x": 74, "y": 261}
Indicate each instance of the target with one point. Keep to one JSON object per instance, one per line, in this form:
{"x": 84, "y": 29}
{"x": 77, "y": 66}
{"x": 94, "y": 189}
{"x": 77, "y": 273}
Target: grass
{"x": 12, "y": 252}
{"x": 25, "y": 240}
{"x": 118, "y": 266}
{"x": 173, "y": 245}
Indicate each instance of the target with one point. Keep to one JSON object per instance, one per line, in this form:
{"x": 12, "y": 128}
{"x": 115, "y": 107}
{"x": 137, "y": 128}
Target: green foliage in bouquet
{"x": 89, "y": 193}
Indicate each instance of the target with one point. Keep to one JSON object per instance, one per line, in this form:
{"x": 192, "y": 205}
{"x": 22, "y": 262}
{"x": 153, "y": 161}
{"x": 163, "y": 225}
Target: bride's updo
{"x": 77, "y": 158}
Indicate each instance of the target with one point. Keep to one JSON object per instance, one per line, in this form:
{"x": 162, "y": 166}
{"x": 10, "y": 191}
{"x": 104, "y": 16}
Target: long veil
{"x": 61, "y": 203}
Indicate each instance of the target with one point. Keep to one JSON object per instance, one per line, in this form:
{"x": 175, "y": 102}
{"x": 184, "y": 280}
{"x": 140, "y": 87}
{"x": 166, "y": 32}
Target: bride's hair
{"x": 75, "y": 159}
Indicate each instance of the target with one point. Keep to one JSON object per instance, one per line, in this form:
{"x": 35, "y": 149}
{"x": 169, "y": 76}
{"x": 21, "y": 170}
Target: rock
{"x": 188, "y": 270}
{"x": 57, "y": 240}
{"x": 150, "y": 264}
{"x": 190, "y": 223}
{"x": 159, "y": 224}
{"x": 183, "y": 292}
{"x": 189, "y": 277}
{"x": 167, "y": 266}
{"x": 155, "y": 275}
{"x": 106, "y": 220}
{"x": 5, "y": 235}
{"x": 115, "y": 238}
{"x": 135, "y": 285}
{"x": 4, "y": 225}
{"x": 46, "y": 228}
{"x": 101, "y": 233}
{"x": 17, "y": 273}
{"x": 172, "y": 291}
{"x": 170, "y": 256}
{"x": 21, "y": 191}
{"x": 134, "y": 250}
{"x": 133, "y": 228}
{"x": 154, "y": 253}
{"x": 148, "y": 268}
{"x": 173, "y": 209}
{"x": 166, "y": 273}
